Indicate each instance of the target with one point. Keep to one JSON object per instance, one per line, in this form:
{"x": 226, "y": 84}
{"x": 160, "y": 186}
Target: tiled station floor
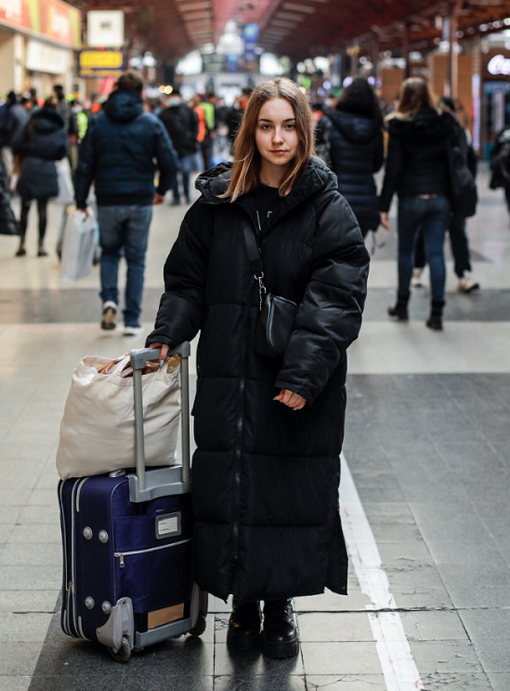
{"x": 427, "y": 445}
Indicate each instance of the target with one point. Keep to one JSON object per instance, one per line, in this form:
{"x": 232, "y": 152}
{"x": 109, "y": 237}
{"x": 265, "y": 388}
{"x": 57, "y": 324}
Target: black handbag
{"x": 277, "y": 314}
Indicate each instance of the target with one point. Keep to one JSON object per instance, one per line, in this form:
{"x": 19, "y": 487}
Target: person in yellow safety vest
{"x": 210, "y": 122}
{"x": 83, "y": 123}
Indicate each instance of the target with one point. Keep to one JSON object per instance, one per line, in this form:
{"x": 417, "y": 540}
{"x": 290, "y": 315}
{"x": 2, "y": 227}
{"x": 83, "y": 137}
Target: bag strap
{"x": 257, "y": 268}
{"x": 253, "y": 250}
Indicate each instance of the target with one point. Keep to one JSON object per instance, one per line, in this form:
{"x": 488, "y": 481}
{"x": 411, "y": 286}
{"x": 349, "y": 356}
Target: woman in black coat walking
{"x": 265, "y": 481}
{"x": 45, "y": 142}
{"x": 417, "y": 168}
{"x": 355, "y": 136}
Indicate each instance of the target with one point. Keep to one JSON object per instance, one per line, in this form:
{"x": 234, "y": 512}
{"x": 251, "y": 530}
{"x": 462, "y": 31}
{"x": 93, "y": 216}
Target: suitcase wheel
{"x": 123, "y": 653}
{"x": 201, "y": 624}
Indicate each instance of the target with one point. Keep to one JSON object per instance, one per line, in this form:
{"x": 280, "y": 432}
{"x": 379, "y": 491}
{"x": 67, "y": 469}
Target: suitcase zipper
{"x": 75, "y": 505}
{"x": 67, "y": 584}
{"x": 121, "y": 555}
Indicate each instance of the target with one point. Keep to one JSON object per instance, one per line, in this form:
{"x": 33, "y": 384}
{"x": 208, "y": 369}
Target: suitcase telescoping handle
{"x": 138, "y": 360}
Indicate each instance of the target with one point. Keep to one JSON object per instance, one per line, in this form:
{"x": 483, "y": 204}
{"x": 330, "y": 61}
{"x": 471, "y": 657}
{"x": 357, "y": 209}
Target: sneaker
{"x": 132, "y": 330}
{"x": 108, "y": 316}
{"x": 467, "y": 283}
{"x": 416, "y": 279}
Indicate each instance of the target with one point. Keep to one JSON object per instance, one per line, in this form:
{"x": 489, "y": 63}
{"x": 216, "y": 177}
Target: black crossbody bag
{"x": 277, "y": 314}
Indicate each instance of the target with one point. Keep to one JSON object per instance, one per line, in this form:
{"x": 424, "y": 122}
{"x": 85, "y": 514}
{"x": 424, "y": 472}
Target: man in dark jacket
{"x": 181, "y": 123}
{"x": 118, "y": 154}
{"x": 12, "y": 131}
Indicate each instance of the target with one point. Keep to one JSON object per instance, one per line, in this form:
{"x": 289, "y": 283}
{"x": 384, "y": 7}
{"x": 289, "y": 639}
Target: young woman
{"x": 45, "y": 143}
{"x": 355, "y": 135}
{"x": 417, "y": 168}
{"x": 265, "y": 480}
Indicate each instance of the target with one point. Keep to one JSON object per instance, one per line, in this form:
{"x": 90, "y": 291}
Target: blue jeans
{"x": 185, "y": 170}
{"x": 432, "y": 216}
{"x": 124, "y": 228}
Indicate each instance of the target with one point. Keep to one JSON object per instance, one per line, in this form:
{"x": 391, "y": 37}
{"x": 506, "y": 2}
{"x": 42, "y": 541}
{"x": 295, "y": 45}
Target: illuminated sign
{"x": 100, "y": 63}
{"x": 499, "y": 65}
{"x": 105, "y": 28}
{"x": 53, "y": 19}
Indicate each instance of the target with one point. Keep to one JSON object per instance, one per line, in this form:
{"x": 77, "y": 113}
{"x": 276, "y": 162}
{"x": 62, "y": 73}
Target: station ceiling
{"x": 299, "y": 28}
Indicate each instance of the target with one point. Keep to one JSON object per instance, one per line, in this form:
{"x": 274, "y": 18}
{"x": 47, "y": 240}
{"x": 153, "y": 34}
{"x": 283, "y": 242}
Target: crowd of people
{"x": 355, "y": 134}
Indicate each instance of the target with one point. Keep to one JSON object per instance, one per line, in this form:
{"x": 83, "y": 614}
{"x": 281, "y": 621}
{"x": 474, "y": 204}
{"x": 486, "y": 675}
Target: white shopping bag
{"x": 65, "y": 183}
{"x": 78, "y": 246}
{"x": 97, "y": 432}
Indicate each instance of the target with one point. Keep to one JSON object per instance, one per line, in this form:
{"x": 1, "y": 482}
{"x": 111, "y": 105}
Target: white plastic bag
{"x": 65, "y": 183}
{"x": 97, "y": 432}
{"x": 78, "y": 245}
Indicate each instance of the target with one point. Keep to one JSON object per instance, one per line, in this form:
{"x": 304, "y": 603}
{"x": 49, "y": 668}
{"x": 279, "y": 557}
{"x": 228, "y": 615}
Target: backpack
{"x": 500, "y": 161}
{"x": 503, "y": 159}
{"x": 463, "y": 194}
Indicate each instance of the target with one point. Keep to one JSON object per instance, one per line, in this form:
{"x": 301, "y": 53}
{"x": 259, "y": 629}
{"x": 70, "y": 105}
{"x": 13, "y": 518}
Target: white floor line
{"x": 398, "y": 666}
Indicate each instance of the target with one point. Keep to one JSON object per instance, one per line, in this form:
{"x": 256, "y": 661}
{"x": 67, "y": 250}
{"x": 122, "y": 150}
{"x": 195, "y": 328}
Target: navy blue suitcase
{"x": 126, "y": 539}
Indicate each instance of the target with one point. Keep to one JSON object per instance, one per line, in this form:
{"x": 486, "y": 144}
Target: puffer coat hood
{"x": 47, "y": 138}
{"x": 357, "y": 152}
{"x": 355, "y": 128}
{"x": 265, "y": 478}
{"x": 123, "y": 105}
{"x": 120, "y": 153}
{"x": 46, "y": 142}
{"x": 427, "y": 126}
{"x": 417, "y": 161}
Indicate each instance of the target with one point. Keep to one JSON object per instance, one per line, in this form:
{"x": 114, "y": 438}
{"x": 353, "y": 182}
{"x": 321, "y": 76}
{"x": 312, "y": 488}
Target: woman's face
{"x": 276, "y": 135}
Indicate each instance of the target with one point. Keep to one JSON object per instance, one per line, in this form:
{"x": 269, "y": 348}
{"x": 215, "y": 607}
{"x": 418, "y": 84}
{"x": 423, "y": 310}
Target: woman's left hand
{"x": 290, "y": 399}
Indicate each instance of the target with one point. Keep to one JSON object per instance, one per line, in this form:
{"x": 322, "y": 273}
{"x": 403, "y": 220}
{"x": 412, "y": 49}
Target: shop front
{"x": 37, "y": 43}
{"x": 495, "y": 96}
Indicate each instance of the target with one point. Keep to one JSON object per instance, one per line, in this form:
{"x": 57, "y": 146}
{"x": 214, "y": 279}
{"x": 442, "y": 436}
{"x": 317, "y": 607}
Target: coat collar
{"x": 316, "y": 179}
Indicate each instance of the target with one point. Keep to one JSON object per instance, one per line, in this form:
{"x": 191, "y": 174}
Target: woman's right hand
{"x": 164, "y": 352}
{"x": 385, "y": 220}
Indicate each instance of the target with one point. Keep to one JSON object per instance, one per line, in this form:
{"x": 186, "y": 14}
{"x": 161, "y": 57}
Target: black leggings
{"x": 42, "y": 208}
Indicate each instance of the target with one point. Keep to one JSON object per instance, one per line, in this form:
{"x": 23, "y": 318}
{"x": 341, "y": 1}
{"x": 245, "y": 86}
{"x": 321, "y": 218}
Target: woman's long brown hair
{"x": 414, "y": 93}
{"x": 247, "y": 159}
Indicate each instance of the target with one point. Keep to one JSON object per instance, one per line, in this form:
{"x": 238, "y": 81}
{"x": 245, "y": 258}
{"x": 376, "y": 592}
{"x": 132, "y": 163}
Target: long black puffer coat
{"x": 46, "y": 142}
{"x": 265, "y": 477}
{"x": 357, "y": 152}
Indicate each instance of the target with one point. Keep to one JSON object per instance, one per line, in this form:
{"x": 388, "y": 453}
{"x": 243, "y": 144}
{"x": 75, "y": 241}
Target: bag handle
{"x": 257, "y": 268}
{"x": 138, "y": 359}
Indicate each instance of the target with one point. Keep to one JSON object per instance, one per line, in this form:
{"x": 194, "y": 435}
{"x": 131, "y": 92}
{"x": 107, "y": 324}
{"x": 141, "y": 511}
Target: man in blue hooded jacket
{"x": 123, "y": 147}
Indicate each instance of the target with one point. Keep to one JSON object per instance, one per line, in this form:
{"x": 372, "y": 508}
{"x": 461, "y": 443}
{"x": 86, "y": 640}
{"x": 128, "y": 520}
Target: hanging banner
{"x": 52, "y": 19}
{"x": 93, "y": 64}
{"x": 105, "y": 28}
{"x": 250, "y": 37}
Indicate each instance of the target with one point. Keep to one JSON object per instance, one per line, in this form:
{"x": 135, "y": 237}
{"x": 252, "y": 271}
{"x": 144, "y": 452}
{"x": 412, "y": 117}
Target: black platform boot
{"x": 435, "y": 321}
{"x": 400, "y": 309}
{"x": 279, "y": 637}
{"x": 244, "y": 627}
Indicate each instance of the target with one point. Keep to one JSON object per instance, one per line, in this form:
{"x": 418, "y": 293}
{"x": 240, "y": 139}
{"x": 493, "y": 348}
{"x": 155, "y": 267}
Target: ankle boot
{"x": 279, "y": 637}
{"x": 400, "y": 309}
{"x": 244, "y": 627}
{"x": 435, "y": 321}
